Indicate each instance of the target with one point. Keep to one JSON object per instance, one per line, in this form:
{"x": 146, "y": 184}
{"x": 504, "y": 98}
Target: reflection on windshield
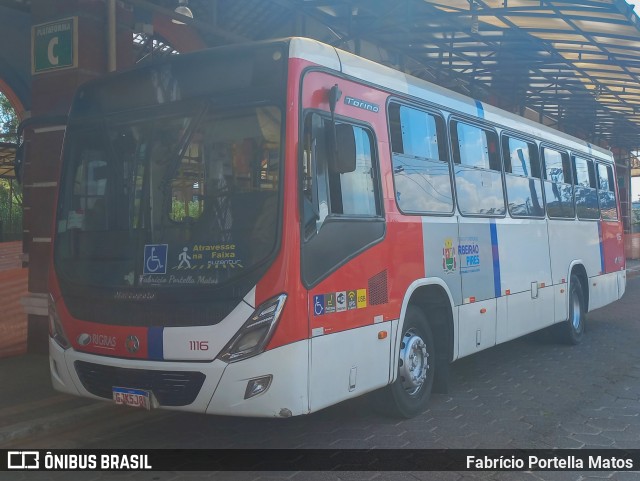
{"x": 175, "y": 201}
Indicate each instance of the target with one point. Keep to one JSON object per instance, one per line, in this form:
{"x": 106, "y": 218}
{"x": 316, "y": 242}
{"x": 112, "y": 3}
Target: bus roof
{"x": 450, "y": 101}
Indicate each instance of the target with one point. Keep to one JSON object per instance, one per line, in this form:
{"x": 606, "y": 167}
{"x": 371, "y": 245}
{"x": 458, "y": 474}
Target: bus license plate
{"x": 137, "y": 398}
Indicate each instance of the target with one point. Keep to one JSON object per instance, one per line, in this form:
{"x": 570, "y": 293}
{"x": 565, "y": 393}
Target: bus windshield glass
{"x": 178, "y": 200}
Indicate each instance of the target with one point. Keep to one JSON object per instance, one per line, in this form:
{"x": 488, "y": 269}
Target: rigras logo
{"x": 23, "y": 460}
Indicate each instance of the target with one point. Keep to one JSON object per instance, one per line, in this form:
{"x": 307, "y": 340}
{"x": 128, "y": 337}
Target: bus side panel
{"x": 525, "y": 275}
{"x": 441, "y": 259}
{"x": 603, "y": 290}
{"x": 573, "y": 241}
{"x": 613, "y": 246}
{"x": 528, "y": 313}
{"x": 477, "y": 327}
{"x": 348, "y": 364}
{"x": 524, "y": 254}
{"x": 479, "y": 262}
{"x": 480, "y": 276}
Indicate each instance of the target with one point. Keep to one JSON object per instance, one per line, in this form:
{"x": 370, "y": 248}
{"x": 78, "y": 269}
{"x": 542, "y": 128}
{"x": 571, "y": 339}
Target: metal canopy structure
{"x": 569, "y": 63}
{"x": 7, "y": 157}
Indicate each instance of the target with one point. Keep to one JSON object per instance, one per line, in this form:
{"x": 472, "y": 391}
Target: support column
{"x": 58, "y": 74}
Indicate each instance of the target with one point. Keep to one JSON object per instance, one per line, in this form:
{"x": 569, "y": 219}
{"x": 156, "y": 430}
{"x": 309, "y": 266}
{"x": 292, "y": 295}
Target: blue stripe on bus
{"x": 480, "y": 109}
{"x": 154, "y": 338}
{"x": 601, "y": 247}
{"x": 496, "y": 258}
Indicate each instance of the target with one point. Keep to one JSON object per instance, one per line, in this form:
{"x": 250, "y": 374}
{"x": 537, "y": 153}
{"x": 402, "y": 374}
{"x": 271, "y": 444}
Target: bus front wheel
{"x": 408, "y": 395}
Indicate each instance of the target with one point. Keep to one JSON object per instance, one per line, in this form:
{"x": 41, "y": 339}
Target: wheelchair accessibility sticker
{"x": 331, "y": 302}
{"x": 155, "y": 259}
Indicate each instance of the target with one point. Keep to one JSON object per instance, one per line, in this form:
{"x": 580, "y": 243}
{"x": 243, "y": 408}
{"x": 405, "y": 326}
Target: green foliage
{"x": 10, "y": 191}
{"x": 10, "y": 210}
{"x": 8, "y": 119}
{"x": 178, "y": 213}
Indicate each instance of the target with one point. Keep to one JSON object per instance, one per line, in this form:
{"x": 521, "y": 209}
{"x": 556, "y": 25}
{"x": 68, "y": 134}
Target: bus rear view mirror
{"x": 343, "y": 149}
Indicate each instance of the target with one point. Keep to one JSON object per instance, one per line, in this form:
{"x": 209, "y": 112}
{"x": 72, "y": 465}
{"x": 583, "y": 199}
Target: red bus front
{"x": 172, "y": 283}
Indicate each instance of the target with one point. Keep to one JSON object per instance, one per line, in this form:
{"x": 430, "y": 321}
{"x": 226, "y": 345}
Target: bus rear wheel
{"x": 572, "y": 330}
{"x": 408, "y": 395}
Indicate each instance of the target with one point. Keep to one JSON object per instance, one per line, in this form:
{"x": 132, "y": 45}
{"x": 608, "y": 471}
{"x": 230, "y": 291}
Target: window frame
{"x": 375, "y": 164}
{"x": 543, "y": 172}
{"x": 505, "y": 136}
{"x": 375, "y": 167}
{"x": 446, "y": 149}
{"x": 593, "y": 183}
{"x": 376, "y": 226}
{"x": 612, "y": 182}
{"x": 488, "y": 127}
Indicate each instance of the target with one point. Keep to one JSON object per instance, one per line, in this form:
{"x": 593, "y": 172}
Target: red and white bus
{"x": 270, "y": 229}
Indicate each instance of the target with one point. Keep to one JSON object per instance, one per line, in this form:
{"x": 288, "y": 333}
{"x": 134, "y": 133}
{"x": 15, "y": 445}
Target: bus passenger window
{"x": 420, "y": 165}
{"x": 416, "y": 133}
{"x": 607, "y": 192}
{"x": 522, "y": 177}
{"x": 475, "y": 147}
{"x": 478, "y": 173}
{"x": 558, "y": 187}
{"x": 585, "y": 190}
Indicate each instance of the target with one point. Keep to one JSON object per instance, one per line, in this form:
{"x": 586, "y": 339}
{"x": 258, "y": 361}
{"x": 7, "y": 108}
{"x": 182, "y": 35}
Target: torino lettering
{"x": 361, "y": 104}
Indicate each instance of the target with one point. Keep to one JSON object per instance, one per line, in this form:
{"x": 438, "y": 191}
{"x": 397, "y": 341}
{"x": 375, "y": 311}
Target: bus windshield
{"x": 178, "y": 200}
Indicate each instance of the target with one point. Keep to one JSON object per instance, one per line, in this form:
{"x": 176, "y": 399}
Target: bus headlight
{"x": 55, "y": 327}
{"x": 254, "y": 335}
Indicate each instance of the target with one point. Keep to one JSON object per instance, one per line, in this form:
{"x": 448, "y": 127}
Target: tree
{"x": 10, "y": 192}
{"x": 8, "y": 119}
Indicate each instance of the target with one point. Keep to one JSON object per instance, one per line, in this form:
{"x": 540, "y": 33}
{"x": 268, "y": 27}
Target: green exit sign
{"x": 54, "y": 45}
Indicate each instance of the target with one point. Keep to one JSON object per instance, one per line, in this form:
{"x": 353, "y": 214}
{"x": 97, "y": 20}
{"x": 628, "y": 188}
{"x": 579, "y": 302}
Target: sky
{"x": 635, "y": 2}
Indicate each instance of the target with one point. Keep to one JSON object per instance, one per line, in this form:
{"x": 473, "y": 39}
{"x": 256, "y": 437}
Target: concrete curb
{"x": 35, "y": 426}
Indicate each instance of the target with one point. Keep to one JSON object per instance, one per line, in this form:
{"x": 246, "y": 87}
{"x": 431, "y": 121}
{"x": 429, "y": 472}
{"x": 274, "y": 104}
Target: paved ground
{"x": 529, "y": 393}
{"x": 13, "y": 287}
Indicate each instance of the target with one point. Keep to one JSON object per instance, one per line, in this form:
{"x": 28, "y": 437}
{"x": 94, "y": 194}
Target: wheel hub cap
{"x": 414, "y": 362}
{"x": 577, "y": 312}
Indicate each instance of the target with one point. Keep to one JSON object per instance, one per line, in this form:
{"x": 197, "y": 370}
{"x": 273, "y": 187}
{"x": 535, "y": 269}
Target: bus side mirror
{"x": 342, "y": 149}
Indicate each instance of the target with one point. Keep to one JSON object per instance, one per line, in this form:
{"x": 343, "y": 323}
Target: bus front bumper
{"x": 222, "y": 391}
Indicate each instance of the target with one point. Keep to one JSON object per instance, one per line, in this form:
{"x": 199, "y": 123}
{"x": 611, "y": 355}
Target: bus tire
{"x": 572, "y": 330}
{"x": 408, "y": 395}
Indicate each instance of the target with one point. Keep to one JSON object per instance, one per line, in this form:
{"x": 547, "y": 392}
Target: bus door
{"x": 344, "y": 265}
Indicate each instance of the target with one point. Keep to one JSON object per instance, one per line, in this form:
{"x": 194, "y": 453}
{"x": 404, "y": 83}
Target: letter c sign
{"x": 53, "y": 58}
{"x": 54, "y": 45}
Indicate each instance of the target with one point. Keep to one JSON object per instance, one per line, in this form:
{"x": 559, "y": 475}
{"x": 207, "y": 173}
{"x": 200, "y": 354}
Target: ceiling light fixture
{"x": 182, "y": 9}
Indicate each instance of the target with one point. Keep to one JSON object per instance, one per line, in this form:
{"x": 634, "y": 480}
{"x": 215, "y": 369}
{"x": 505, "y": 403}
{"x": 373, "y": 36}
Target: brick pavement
{"x": 13, "y": 287}
{"x": 528, "y": 393}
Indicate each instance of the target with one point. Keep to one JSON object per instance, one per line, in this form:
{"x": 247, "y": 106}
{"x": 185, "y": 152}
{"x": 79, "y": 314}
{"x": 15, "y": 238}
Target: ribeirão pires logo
{"x": 449, "y": 263}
